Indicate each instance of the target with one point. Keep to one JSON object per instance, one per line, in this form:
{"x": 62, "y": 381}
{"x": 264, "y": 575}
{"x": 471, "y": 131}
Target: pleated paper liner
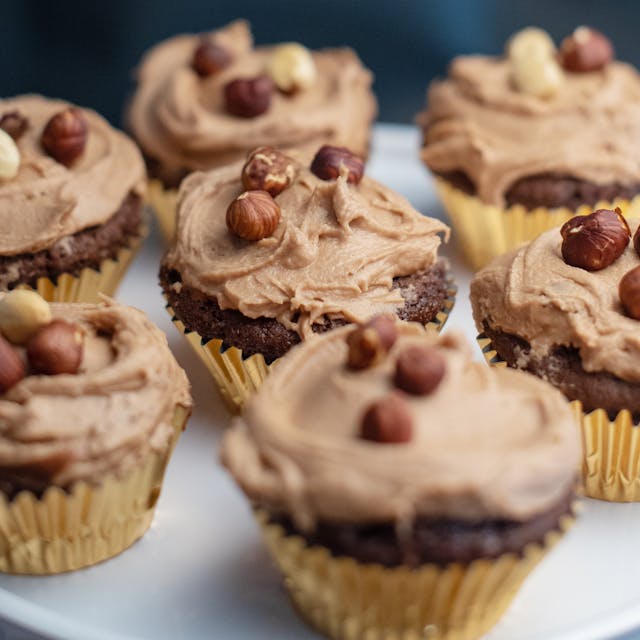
{"x": 66, "y": 530}
{"x": 485, "y": 231}
{"x": 163, "y": 201}
{"x": 348, "y": 600}
{"x": 238, "y": 377}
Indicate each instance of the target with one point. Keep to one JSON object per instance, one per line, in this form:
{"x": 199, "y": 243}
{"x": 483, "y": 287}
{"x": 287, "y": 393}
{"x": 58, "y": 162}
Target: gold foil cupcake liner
{"x": 66, "y": 530}
{"x": 349, "y": 600}
{"x": 485, "y": 231}
{"x": 238, "y": 377}
{"x": 163, "y": 201}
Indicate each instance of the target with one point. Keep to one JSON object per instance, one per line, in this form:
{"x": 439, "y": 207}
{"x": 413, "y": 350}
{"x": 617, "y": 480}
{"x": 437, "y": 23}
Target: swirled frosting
{"x": 47, "y": 201}
{"x": 335, "y": 251}
{"x": 534, "y": 294}
{"x": 488, "y": 443}
{"x": 179, "y": 119}
{"x": 477, "y": 122}
{"x": 106, "y": 418}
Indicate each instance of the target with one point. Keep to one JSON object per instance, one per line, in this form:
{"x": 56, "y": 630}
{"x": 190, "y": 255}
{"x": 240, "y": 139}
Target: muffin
{"x": 92, "y": 403}
{"x": 392, "y": 508}
{"x": 250, "y": 274}
{"x": 203, "y": 101}
{"x": 71, "y": 196}
{"x": 558, "y": 309}
{"x": 519, "y": 144}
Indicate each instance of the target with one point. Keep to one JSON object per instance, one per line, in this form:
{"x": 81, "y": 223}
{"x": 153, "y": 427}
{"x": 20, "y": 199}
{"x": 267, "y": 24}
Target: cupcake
{"x": 204, "y": 101}
{"x": 71, "y": 198}
{"x": 92, "y": 403}
{"x": 392, "y": 508}
{"x": 251, "y": 274}
{"x": 565, "y": 308}
{"x": 521, "y": 143}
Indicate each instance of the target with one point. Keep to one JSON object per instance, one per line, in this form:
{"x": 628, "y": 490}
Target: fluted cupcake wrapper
{"x": 238, "y": 377}
{"x": 66, "y": 530}
{"x": 485, "y": 231}
{"x": 349, "y": 600}
{"x": 163, "y": 201}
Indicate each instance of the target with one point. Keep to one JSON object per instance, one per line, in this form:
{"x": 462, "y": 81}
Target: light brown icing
{"x": 335, "y": 251}
{"x": 179, "y": 118}
{"x": 47, "y": 201}
{"x": 534, "y": 294}
{"x": 479, "y": 123}
{"x": 108, "y": 417}
{"x": 488, "y": 443}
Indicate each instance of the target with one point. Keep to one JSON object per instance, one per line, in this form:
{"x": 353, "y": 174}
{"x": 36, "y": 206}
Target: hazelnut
{"x": 585, "y": 50}
{"x": 9, "y": 156}
{"x": 14, "y": 123}
{"x": 291, "y": 67}
{"x": 56, "y": 348}
{"x": 209, "y": 58}
{"x": 369, "y": 343}
{"x": 595, "y": 241}
{"x": 328, "y": 163}
{"x": 636, "y": 241}
{"x": 537, "y": 76}
{"x": 65, "y": 136}
{"x": 253, "y": 215}
{"x": 629, "y": 291}
{"x": 268, "y": 170}
{"x": 419, "y": 370}
{"x": 248, "y": 97}
{"x": 11, "y": 366}
{"x": 22, "y": 313}
{"x": 530, "y": 43}
{"x": 387, "y": 421}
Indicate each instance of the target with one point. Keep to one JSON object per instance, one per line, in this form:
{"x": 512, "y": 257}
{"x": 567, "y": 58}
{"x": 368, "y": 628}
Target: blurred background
{"x": 86, "y": 51}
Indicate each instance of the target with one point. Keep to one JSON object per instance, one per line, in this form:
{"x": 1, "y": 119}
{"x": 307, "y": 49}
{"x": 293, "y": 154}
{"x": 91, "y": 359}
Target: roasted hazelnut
{"x": 328, "y": 163}
{"x": 268, "y": 169}
{"x": 14, "y": 123}
{"x": 9, "y": 156}
{"x": 291, "y": 67}
{"x": 387, "y": 421}
{"x": 22, "y": 313}
{"x": 253, "y": 215}
{"x": 11, "y": 366}
{"x": 248, "y": 97}
{"x": 636, "y": 241}
{"x": 629, "y": 291}
{"x": 65, "y": 136}
{"x": 585, "y": 50}
{"x": 209, "y": 58}
{"x": 56, "y": 348}
{"x": 369, "y": 343}
{"x": 595, "y": 241}
{"x": 419, "y": 370}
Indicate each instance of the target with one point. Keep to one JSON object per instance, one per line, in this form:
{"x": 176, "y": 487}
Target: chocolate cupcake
{"x": 390, "y": 506}
{"x": 79, "y": 186}
{"x": 204, "y": 101}
{"x": 521, "y": 143}
{"x": 250, "y": 274}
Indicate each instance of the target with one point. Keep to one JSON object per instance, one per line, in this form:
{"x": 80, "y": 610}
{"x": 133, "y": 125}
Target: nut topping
{"x": 541, "y": 77}
{"x": 11, "y": 366}
{"x": 248, "y": 97}
{"x": 209, "y": 58}
{"x": 388, "y": 421}
{"x": 419, "y": 370}
{"x": 291, "y": 67}
{"x": 629, "y": 291}
{"x": 253, "y": 215}
{"x": 595, "y": 241}
{"x": 268, "y": 169}
{"x": 56, "y": 348}
{"x": 22, "y": 313}
{"x": 636, "y": 241}
{"x": 14, "y": 123}
{"x": 370, "y": 342}
{"x": 530, "y": 43}
{"x": 65, "y": 136}
{"x": 330, "y": 161}
{"x": 9, "y": 156}
{"x": 585, "y": 50}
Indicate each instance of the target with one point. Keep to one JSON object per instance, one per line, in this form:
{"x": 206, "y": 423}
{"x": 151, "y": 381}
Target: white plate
{"x": 202, "y": 572}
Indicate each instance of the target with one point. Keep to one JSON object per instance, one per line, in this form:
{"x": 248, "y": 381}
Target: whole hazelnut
{"x": 537, "y": 76}
{"x": 14, "y": 123}
{"x": 253, "y": 215}
{"x": 22, "y": 313}
{"x": 65, "y": 136}
{"x": 248, "y": 97}
{"x": 9, "y": 156}
{"x": 291, "y": 67}
{"x": 629, "y": 292}
{"x": 585, "y": 50}
{"x": 595, "y": 241}
{"x": 11, "y": 366}
{"x": 369, "y": 343}
{"x": 636, "y": 241}
{"x": 530, "y": 43}
{"x": 330, "y": 161}
{"x": 209, "y": 58}
{"x": 419, "y": 370}
{"x": 56, "y": 348}
{"x": 387, "y": 421}
{"x": 268, "y": 169}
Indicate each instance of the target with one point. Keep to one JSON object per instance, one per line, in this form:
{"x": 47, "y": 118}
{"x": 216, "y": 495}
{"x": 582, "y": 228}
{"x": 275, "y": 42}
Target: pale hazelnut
{"x": 530, "y": 43}
{"x": 9, "y": 156}
{"x": 253, "y": 215}
{"x": 22, "y": 313}
{"x": 291, "y": 67}
{"x": 537, "y": 76}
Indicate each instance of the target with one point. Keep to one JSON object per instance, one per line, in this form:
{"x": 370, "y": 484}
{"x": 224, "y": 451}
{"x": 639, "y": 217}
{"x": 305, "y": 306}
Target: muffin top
{"x": 485, "y": 443}
{"x": 336, "y": 245}
{"x": 180, "y": 118}
{"x": 73, "y": 173}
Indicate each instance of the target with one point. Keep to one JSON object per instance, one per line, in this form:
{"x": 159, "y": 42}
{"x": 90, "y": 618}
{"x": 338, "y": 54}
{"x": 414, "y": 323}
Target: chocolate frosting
{"x": 488, "y": 443}
{"x": 105, "y": 419}
{"x": 478, "y": 123}
{"x": 534, "y": 294}
{"x": 335, "y": 251}
{"x": 179, "y": 118}
{"x": 47, "y": 201}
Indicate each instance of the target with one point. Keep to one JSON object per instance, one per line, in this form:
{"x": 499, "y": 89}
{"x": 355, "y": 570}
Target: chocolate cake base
{"x": 424, "y": 292}
{"x": 85, "y": 249}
